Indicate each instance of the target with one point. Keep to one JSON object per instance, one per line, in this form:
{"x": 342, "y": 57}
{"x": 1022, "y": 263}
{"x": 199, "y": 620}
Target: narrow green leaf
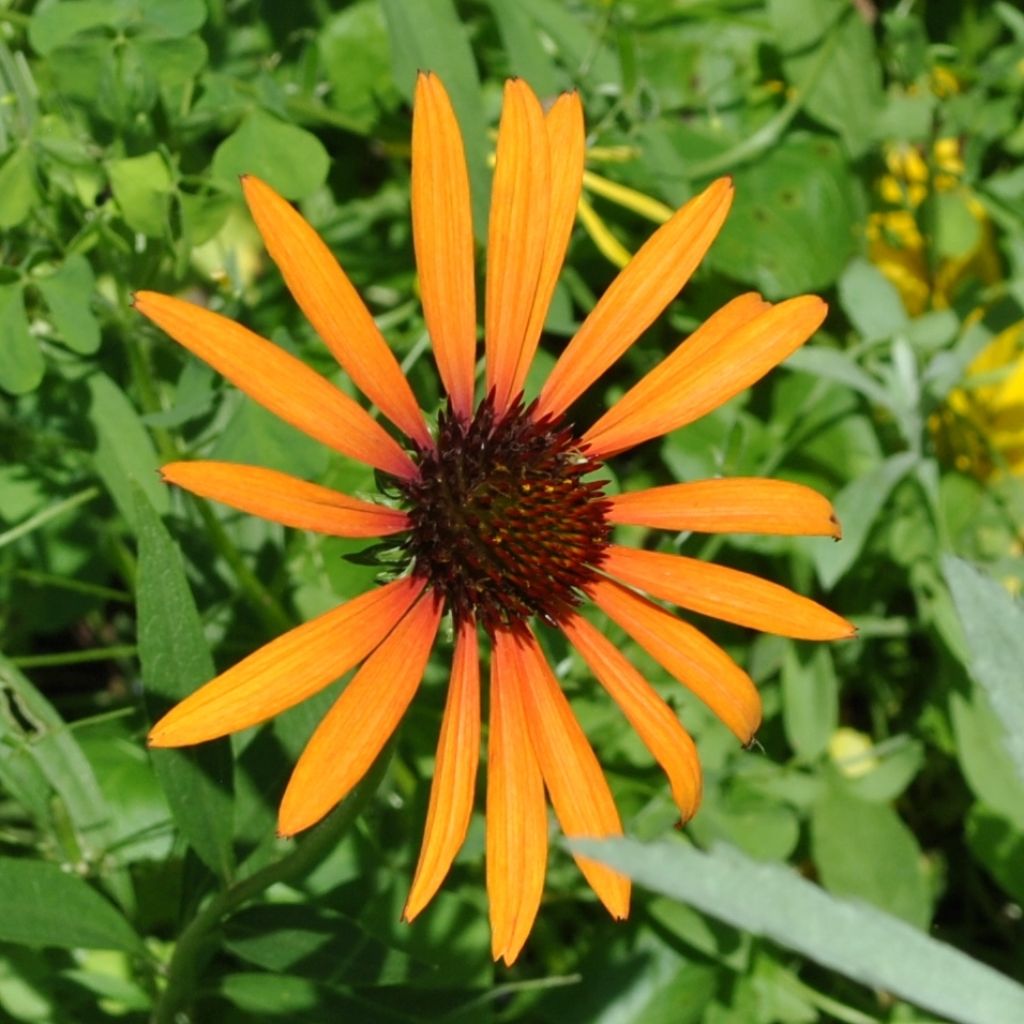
{"x": 526, "y": 57}
{"x": 428, "y": 36}
{"x": 857, "y": 507}
{"x": 124, "y": 453}
{"x": 21, "y": 362}
{"x": 68, "y": 292}
{"x": 852, "y": 938}
{"x": 32, "y": 730}
{"x": 43, "y": 905}
{"x": 994, "y": 627}
{"x": 810, "y": 696}
{"x": 175, "y": 661}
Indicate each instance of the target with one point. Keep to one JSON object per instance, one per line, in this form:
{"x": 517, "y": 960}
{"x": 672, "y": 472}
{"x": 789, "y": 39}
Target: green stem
{"x": 45, "y": 579}
{"x": 48, "y": 513}
{"x": 199, "y": 936}
{"x": 74, "y": 657}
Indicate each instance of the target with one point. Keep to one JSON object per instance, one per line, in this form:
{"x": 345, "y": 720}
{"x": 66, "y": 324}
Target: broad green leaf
{"x": 792, "y": 227}
{"x": 43, "y": 905}
{"x": 173, "y": 61}
{"x": 857, "y": 507}
{"x": 847, "y": 93}
{"x": 21, "y": 362}
{"x": 287, "y": 157}
{"x": 871, "y": 301}
{"x": 142, "y": 187}
{"x": 864, "y": 850}
{"x": 175, "y": 661}
{"x": 124, "y": 453}
{"x": 270, "y": 995}
{"x": 356, "y": 54}
{"x": 176, "y": 20}
{"x": 428, "y": 36}
{"x": 69, "y": 292}
{"x": 810, "y": 700}
{"x": 994, "y": 627}
{"x": 53, "y": 25}
{"x": 999, "y": 845}
{"x": 854, "y": 939}
{"x": 986, "y": 763}
{"x": 18, "y": 193}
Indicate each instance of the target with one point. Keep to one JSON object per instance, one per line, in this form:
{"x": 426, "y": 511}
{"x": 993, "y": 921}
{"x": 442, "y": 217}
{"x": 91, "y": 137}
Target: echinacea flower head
{"x": 502, "y": 518}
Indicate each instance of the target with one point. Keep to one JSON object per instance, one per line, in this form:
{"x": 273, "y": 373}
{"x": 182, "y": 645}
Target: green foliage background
{"x": 134, "y": 885}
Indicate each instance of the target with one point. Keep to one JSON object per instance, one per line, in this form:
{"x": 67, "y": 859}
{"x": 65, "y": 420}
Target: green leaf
{"x": 864, "y": 850}
{"x": 34, "y": 733}
{"x": 999, "y": 845}
{"x": 178, "y": 19}
{"x": 142, "y": 187}
{"x": 124, "y": 453}
{"x": 428, "y": 36}
{"x": 810, "y": 700}
{"x": 994, "y": 627}
{"x": 43, "y": 905}
{"x": 21, "y": 362}
{"x": 792, "y": 226}
{"x": 847, "y": 93}
{"x": 871, "y": 301}
{"x": 356, "y": 53}
{"x": 286, "y": 156}
{"x": 857, "y": 507}
{"x": 854, "y": 939}
{"x": 270, "y": 995}
{"x": 68, "y": 292}
{"x": 18, "y": 193}
{"x": 53, "y": 25}
{"x": 175, "y": 661}
{"x": 526, "y": 56}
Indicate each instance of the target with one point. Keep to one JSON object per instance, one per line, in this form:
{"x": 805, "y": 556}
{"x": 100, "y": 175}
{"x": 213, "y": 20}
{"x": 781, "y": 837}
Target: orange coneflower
{"x": 501, "y": 519}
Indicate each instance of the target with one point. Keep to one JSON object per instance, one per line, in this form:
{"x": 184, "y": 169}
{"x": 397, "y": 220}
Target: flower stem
{"x": 198, "y": 940}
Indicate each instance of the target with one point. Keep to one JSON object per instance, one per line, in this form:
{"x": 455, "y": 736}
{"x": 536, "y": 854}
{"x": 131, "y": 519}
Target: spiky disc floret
{"x": 504, "y": 524}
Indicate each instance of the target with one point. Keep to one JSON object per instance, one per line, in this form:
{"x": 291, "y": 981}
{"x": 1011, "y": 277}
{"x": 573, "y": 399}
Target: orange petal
{"x": 332, "y": 305}
{"x": 277, "y": 381}
{"x": 725, "y": 593}
{"x": 288, "y": 669}
{"x": 451, "y": 794}
{"x": 650, "y": 281}
{"x": 655, "y": 722}
{"x": 517, "y": 825}
{"x": 442, "y": 226}
{"x": 711, "y": 367}
{"x": 567, "y": 145}
{"x": 574, "y": 780}
{"x": 517, "y": 235}
{"x": 650, "y": 407}
{"x": 346, "y": 743}
{"x": 735, "y": 505}
{"x": 685, "y": 653}
{"x": 285, "y": 499}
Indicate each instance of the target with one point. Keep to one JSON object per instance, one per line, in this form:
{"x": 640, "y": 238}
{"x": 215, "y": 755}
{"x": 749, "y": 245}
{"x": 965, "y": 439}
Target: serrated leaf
{"x": 42, "y": 905}
{"x": 993, "y": 624}
{"x": 854, "y": 939}
{"x": 175, "y": 661}
{"x": 68, "y": 293}
{"x": 287, "y": 157}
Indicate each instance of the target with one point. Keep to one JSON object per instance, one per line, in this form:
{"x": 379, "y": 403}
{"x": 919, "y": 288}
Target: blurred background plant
{"x": 876, "y": 151}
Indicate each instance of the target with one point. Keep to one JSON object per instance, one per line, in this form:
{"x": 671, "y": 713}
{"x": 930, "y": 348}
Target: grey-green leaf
{"x": 853, "y": 938}
{"x": 175, "y": 661}
{"x": 994, "y": 627}
{"x": 42, "y": 905}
